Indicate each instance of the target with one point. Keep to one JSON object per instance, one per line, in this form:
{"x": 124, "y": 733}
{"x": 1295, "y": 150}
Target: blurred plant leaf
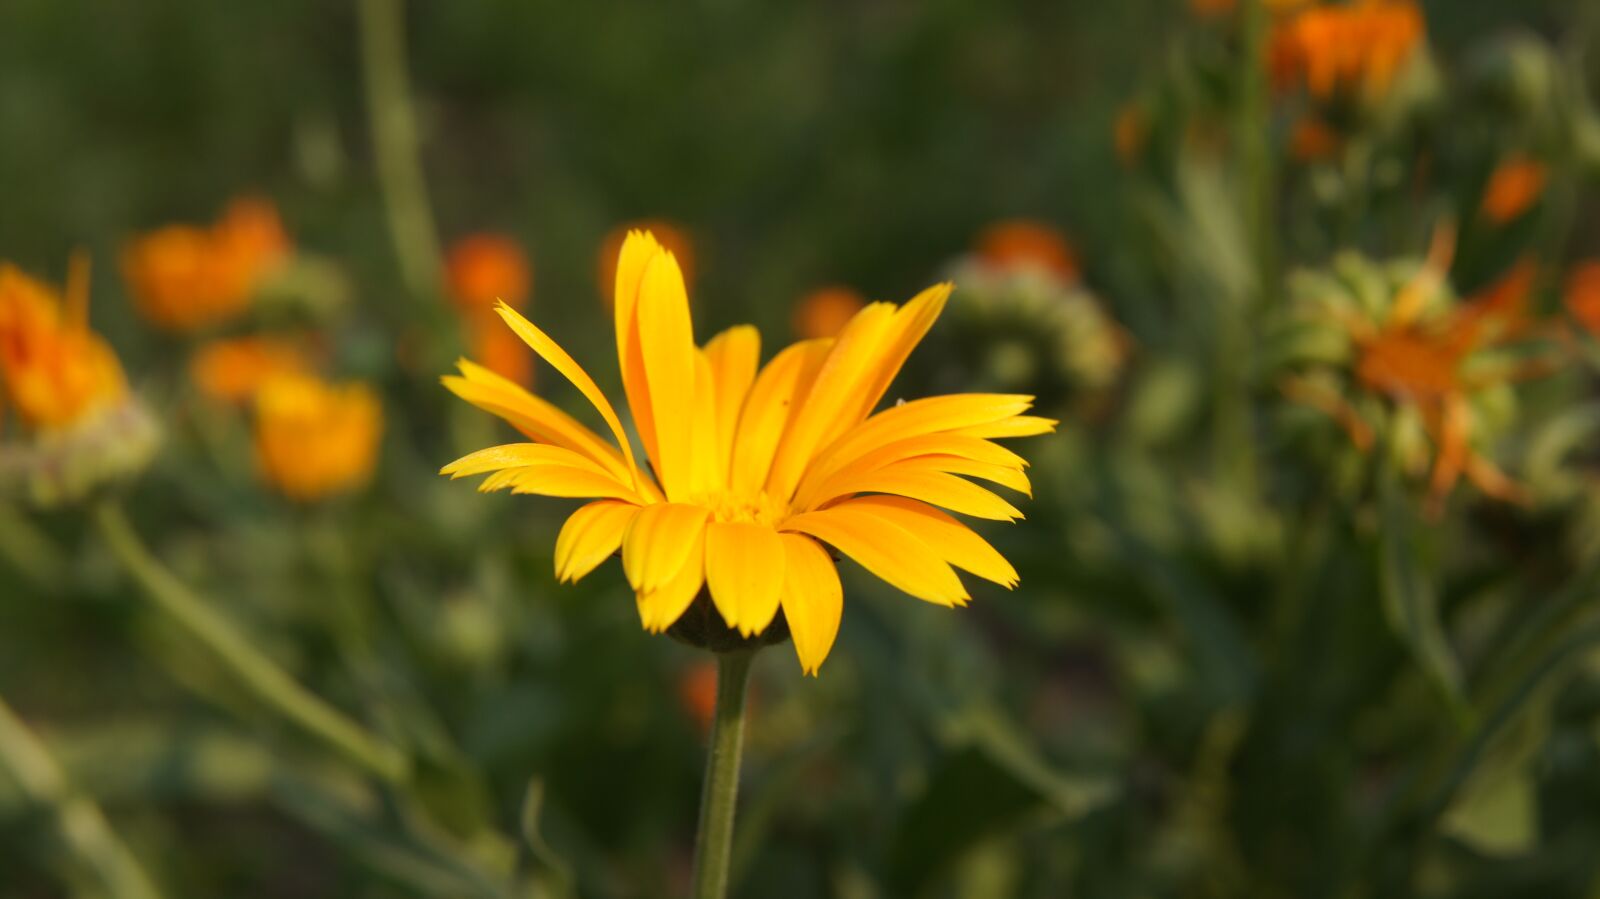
{"x": 557, "y": 878}
{"x": 1410, "y": 601}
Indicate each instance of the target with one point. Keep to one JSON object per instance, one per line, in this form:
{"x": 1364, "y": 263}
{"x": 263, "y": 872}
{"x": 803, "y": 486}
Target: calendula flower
{"x": 483, "y": 270}
{"x": 674, "y": 237}
{"x": 188, "y": 277}
{"x": 232, "y": 370}
{"x": 65, "y": 386}
{"x": 1403, "y": 357}
{"x": 755, "y": 470}
{"x": 1514, "y": 186}
{"x": 1582, "y": 295}
{"x": 1356, "y": 48}
{"x": 824, "y": 312}
{"x": 1024, "y": 243}
{"x": 315, "y": 439}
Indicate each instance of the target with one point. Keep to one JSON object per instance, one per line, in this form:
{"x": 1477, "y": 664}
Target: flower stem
{"x": 714, "y": 839}
{"x": 82, "y": 824}
{"x": 262, "y": 677}
{"x": 393, "y": 120}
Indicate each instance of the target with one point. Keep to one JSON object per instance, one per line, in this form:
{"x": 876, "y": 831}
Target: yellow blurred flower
{"x": 188, "y": 277}
{"x": 753, "y": 470}
{"x": 674, "y": 237}
{"x": 484, "y": 269}
{"x": 57, "y": 372}
{"x": 1358, "y": 47}
{"x": 231, "y": 370}
{"x": 825, "y": 311}
{"x": 1025, "y": 243}
{"x": 1425, "y": 357}
{"x": 1515, "y": 185}
{"x": 315, "y": 439}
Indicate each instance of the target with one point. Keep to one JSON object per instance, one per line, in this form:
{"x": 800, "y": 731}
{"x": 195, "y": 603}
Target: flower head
{"x": 65, "y": 387}
{"x": 315, "y": 439}
{"x": 1354, "y": 48}
{"x": 825, "y": 311}
{"x": 187, "y": 277}
{"x": 755, "y": 470}
{"x": 1404, "y": 353}
{"x": 232, "y": 370}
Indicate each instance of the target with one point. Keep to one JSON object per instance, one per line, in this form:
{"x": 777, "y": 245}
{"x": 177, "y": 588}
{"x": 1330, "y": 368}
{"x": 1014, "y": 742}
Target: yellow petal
{"x": 637, "y": 251}
{"x": 709, "y": 475}
{"x": 552, "y": 353}
{"x": 955, "y": 542}
{"x": 518, "y": 455}
{"x": 735, "y": 354}
{"x": 559, "y": 480}
{"x": 936, "y": 487}
{"x": 1003, "y": 475}
{"x": 885, "y": 549}
{"x": 910, "y": 325}
{"x": 744, "y": 568}
{"x": 812, "y": 599}
{"x": 958, "y": 413}
{"x": 533, "y": 416}
{"x": 782, "y": 383}
{"x": 661, "y": 607}
{"x": 815, "y": 489}
{"x": 667, "y": 336}
{"x": 1015, "y": 426}
{"x": 590, "y": 536}
{"x": 658, "y": 542}
{"x": 839, "y": 383}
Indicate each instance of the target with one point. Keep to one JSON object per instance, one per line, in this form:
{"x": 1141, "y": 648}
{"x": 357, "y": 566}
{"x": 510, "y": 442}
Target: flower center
{"x": 758, "y": 509}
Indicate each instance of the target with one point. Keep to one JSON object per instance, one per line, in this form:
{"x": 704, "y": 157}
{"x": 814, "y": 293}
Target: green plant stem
{"x": 714, "y": 839}
{"x": 393, "y": 121}
{"x": 82, "y": 824}
{"x": 267, "y": 682}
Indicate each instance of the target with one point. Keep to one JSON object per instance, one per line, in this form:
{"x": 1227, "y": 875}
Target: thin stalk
{"x": 714, "y": 838}
{"x": 393, "y": 121}
{"x": 257, "y": 673}
{"x": 82, "y": 824}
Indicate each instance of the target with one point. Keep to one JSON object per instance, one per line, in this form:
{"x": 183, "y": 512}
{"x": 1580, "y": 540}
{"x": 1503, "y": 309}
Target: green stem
{"x": 714, "y": 839}
{"x": 82, "y": 824}
{"x": 267, "y": 682}
{"x": 393, "y": 121}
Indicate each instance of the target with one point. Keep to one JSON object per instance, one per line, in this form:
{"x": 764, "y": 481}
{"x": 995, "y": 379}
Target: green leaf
{"x": 1410, "y": 601}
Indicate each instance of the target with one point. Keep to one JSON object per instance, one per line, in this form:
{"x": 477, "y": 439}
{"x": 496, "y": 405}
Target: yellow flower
{"x": 756, "y": 469}
{"x": 232, "y": 370}
{"x": 185, "y": 277}
{"x": 825, "y": 311}
{"x": 671, "y": 235}
{"x": 1514, "y": 186}
{"x": 1357, "y": 46}
{"x": 57, "y": 372}
{"x": 315, "y": 439}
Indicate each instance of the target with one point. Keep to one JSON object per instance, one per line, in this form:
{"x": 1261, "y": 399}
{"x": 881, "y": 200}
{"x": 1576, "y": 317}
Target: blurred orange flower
{"x": 697, "y": 691}
{"x": 482, "y": 269}
{"x": 1514, "y": 186}
{"x": 824, "y": 312}
{"x": 232, "y": 370}
{"x": 187, "y": 277}
{"x": 1582, "y": 295}
{"x": 499, "y": 350}
{"x": 1313, "y": 140}
{"x": 56, "y": 371}
{"x": 1128, "y": 133}
{"x": 315, "y": 439}
{"x": 1355, "y": 46}
{"x": 672, "y": 237}
{"x": 1021, "y": 243}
